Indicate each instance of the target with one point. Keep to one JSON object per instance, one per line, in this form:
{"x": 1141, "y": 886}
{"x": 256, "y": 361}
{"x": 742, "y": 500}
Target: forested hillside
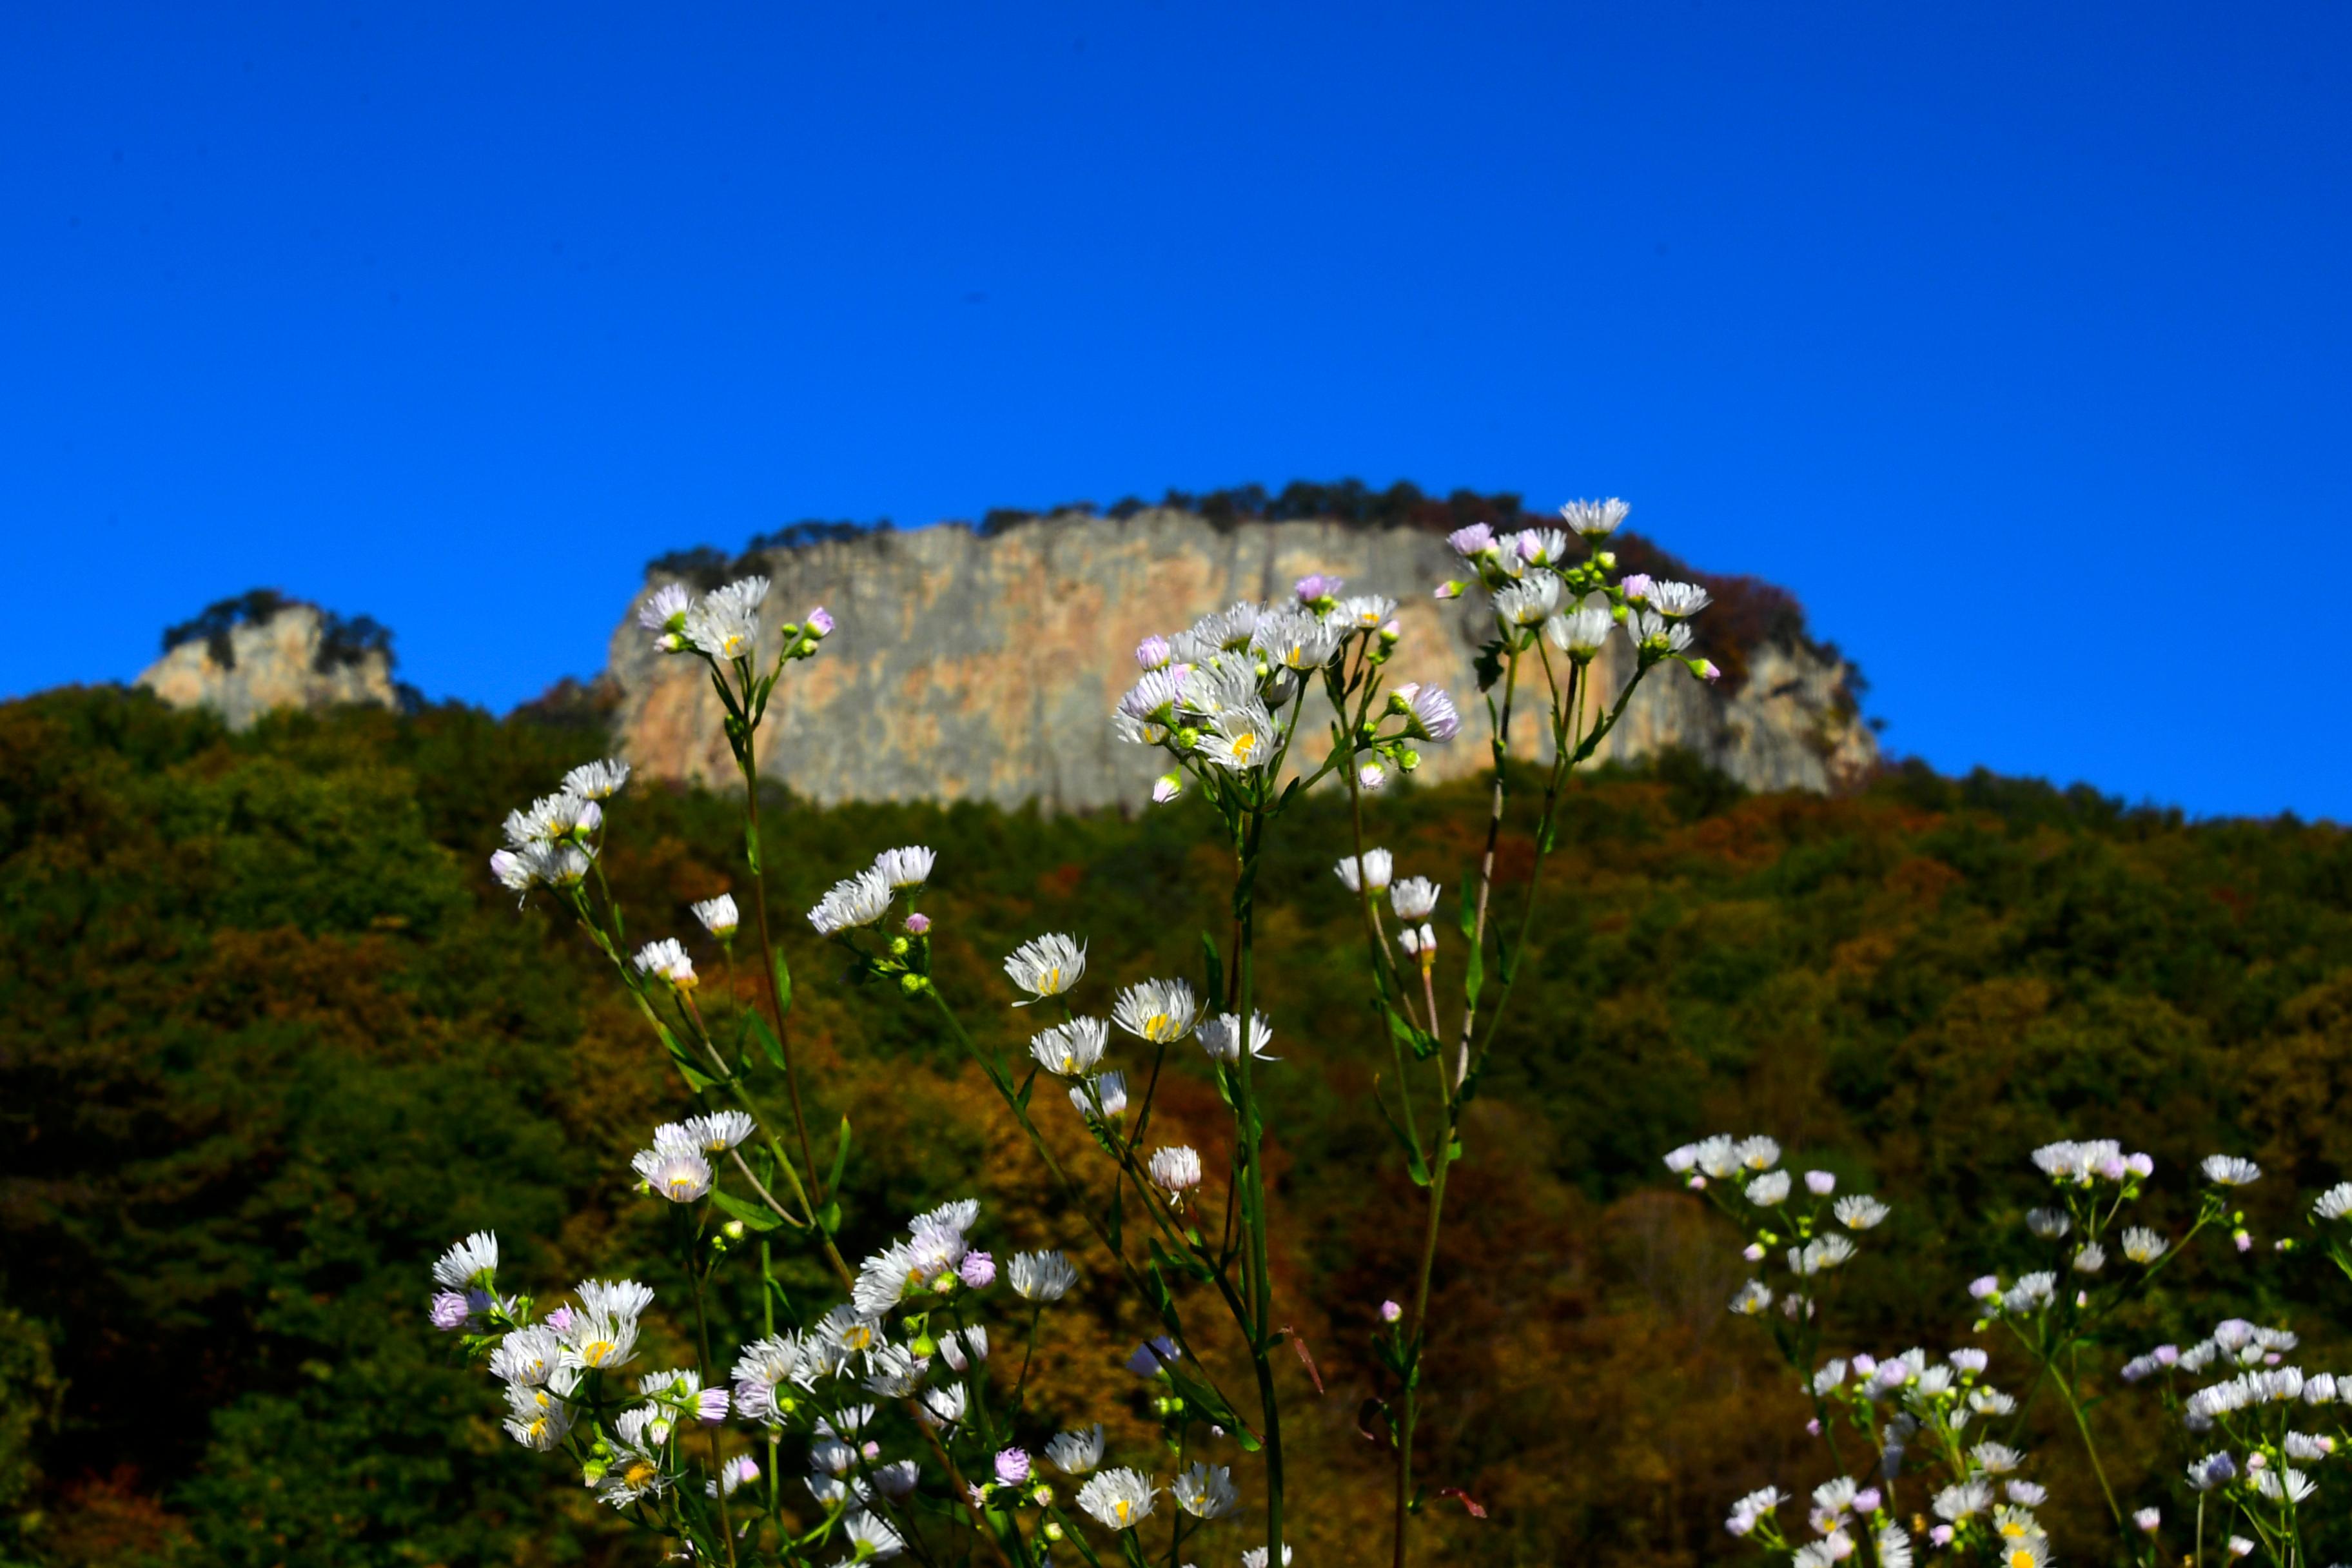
{"x": 270, "y": 1038}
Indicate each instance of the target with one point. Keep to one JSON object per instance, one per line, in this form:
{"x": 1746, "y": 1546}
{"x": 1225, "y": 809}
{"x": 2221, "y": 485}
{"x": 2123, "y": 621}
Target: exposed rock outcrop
{"x": 973, "y": 664}
{"x": 243, "y": 658}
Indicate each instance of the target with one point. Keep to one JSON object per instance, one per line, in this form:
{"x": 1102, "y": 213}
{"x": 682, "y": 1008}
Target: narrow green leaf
{"x": 751, "y": 1215}
{"x": 1216, "y": 972}
{"x": 783, "y": 974}
{"x": 1474, "y": 972}
{"x": 769, "y": 1047}
{"x": 840, "y": 1159}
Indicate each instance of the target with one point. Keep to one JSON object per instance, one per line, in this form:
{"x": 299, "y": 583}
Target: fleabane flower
{"x": 871, "y": 1540}
{"x": 1579, "y": 633}
{"x": 1594, "y": 519}
{"x": 470, "y": 1262}
{"x": 668, "y": 960}
{"x": 680, "y": 1175}
{"x": 1413, "y": 898}
{"x": 597, "y": 781}
{"x": 1205, "y": 1491}
{"x": 1860, "y": 1211}
{"x": 907, "y": 868}
{"x": 2142, "y": 1244}
{"x": 2228, "y": 1170}
{"x": 724, "y": 624}
{"x": 1046, "y": 966}
{"x": 1750, "y": 1510}
{"x": 1119, "y": 1499}
{"x": 536, "y": 1418}
{"x": 1101, "y": 1097}
{"x": 1654, "y": 634}
{"x": 1243, "y": 740}
{"x": 1528, "y": 601}
{"x": 1429, "y": 711}
{"x": 1045, "y": 1277}
{"x": 1296, "y": 639}
{"x": 664, "y": 614}
{"x": 1221, "y": 1038}
{"x": 1175, "y": 1170}
{"x": 1153, "y": 653}
{"x": 1071, "y": 1049}
{"x": 1362, "y": 613}
{"x": 1677, "y": 600}
{"x": 851, "y": 903}
{"x": 1377, "y": 868}
{"x": 2335, "y": 1203}
{"x": 1075, "y": 1453}
{"x": 1158, "y": 1011}
{"x": 1473, "y": 542}
{"x": 718, "y": 916}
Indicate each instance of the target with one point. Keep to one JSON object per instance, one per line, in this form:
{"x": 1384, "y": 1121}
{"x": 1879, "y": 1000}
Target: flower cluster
{"x": 1219, "y": 697}
{"x": 1817, "y": 1227}
{"x": 1539, "y": 585}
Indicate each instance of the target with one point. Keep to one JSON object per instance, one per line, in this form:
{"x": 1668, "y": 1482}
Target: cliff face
{"x": 272, "y": 662}
{"x": 971, "y": 666}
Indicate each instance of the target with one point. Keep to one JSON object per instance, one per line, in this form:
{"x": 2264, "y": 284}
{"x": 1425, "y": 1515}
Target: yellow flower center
{"x": 682, "y": 1188}
{"x": 639, "y": 1472}
{"x": 1121, "y": 1506}
{"x": 595, "y": 1351}
{"x": 2022, "y": 1558}
{"x": 1050, "y": 980}
{"x": 1244, "y": 744}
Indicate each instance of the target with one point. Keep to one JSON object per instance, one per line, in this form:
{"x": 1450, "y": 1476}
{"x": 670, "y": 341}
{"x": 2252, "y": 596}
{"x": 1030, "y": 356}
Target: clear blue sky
{"x": 2013, "y": 338}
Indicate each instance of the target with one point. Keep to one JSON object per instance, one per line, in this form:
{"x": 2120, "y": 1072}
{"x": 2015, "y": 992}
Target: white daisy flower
{"x": 1750, "y": 1510}
{"x": 718, "y": 916}
{"x": 1769, "y": 1190}
{"x": 1221, "y": 1038}
{"x": 668, "y": 960}
{"x": 1754, "y": 1299}
{"x": 597, "y": 781}
{"x": 1429, "y": 712}
{"x": 1379, "y": 864}
{"x": 665, "y": 614}
{"x": 894, "y": 1372}
{"x": 1362, "y": 612}
{"x": 907, "y": 868}
{"x": 552, "y": 819}
{"x": 1860, "y": 1211}
{"x": 537, "y": 1419}
{"x": 854, "y": 902}
{"x": 470, "y": 1262}
{"x": 1075, "y": 1453}
{"x": 724, "y": 624}
{"x": 1071, "y": 1049}
{"x": 1049, "y": 965}
{"x": 1653, "y": 633}
{"x": 1528, "y": 601}
{"x": 2228, "y": 1171}
{"x": 2142, "y": 1244}
{"x": 527, "y": 1356}
{"x": 1205, "y": 1491}
{"x": 1996, "y": 1458}
{"x": 2335, "y": 1203}
{"x": 1103, "y": 1095}
{"x": 871, "y": 1540}
{"x": 763, "y": 1369}
{"x": 679, "y": 1176}
{"x": 1119, "y": 1499}
{"x": 1580, "y": 633}
{"x": 2090, "y": 1257}
{"x": 1043, "y": 1277}
{"x": 1244, "y": 739}
{"x": 1413, "y": 898}
{"x": 1677, "y": 600}
{"x": 1594, "y": 519}
{"x": 1296, "y": 638}
{"x": 1158, "y": 1011}
{"x": 1175, "y": 1170}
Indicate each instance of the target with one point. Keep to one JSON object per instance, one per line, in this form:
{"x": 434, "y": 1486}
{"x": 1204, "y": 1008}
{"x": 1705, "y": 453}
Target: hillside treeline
{"x": 270, "y": 1038}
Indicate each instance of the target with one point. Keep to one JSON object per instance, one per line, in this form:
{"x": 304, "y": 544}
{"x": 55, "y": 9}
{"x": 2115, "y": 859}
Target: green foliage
{"x": 272, "y": 1038}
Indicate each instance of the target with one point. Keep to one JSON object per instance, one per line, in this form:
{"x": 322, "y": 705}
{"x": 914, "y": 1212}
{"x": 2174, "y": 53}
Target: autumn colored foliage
{"x": 272, "y": 1037}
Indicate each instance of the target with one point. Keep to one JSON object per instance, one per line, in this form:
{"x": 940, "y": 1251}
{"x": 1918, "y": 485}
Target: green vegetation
{"x": 272, "y": 1038}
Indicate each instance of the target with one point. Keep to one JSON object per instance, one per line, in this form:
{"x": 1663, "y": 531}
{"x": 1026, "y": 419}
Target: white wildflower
{"x": 1040, "y": 1276}
{"x": 1049, "y": 965}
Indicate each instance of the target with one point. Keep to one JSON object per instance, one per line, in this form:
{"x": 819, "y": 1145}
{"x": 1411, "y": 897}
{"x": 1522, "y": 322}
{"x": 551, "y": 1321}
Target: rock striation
{"x": 983, "y": 665}
{"x": 242, "y": 658}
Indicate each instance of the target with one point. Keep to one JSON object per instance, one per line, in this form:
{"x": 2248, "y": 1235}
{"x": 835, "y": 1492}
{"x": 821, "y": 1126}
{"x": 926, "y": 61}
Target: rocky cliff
{"x": 243, "y": 658}
{"x": 984, "y": 664}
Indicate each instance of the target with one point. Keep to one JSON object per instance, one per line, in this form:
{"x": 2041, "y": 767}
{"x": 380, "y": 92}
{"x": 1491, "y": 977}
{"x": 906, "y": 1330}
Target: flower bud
{"x": 1391, "y": 1312}
{"x": 1391, "y": 631}
{"x": 732, "y": 1230}
{"x": 1449, "y": 590}
{"x": 819, "y": 624}
{"x": 914, "y": 984}
{"x": 917, "y": 924}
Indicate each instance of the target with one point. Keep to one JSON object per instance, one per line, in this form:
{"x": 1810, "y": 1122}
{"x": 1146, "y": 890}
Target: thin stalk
{"x": 749, "y": 760}
{"x": 2067, "y": 1392}
{"x": 1254, "y": 1209}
